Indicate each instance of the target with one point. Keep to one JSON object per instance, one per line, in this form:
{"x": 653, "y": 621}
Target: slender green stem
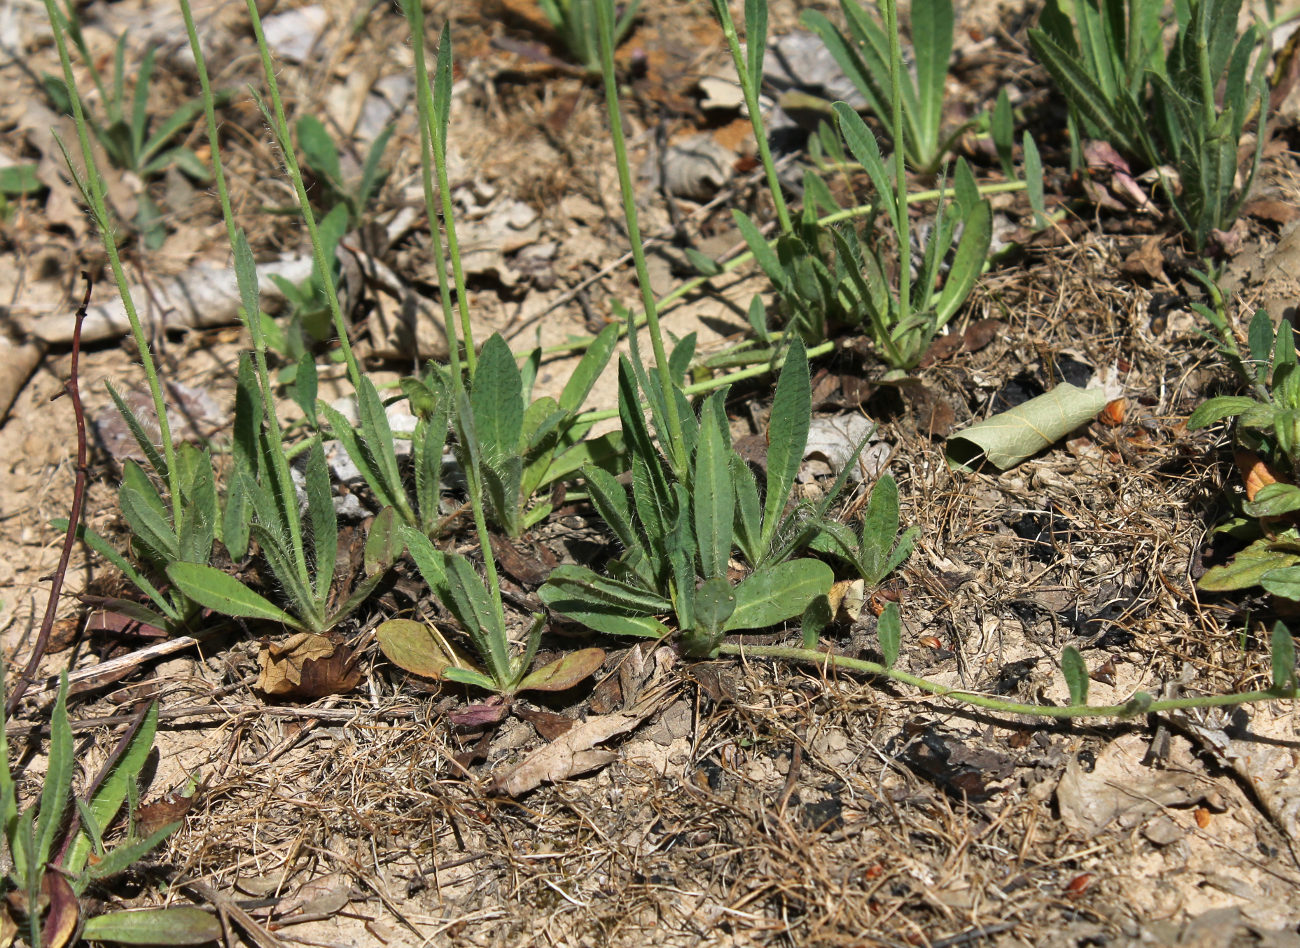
{"x": 94, "y": 191}
{"x": 323, "y": 266}
{"x": 428, "y": 136}
{"x": 750, "y": 94}
{"x": 605, "y": 23}
{"x": 890, "y": 8}
{"x": 1128, "y": 709}
{"x": 214, "y": 140}
{"x": 1208, "y": 115}
{"x": 439, "y": 131}
{"x": 431, "y": 153}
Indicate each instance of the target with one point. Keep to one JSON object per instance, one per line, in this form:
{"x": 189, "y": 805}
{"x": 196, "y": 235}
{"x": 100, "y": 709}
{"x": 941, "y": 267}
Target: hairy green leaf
{"x": 1076, "y": 675}
{"x": 222, "y": 593}
{"x": 776, "y": 593}
{"x": 889, "y": 630}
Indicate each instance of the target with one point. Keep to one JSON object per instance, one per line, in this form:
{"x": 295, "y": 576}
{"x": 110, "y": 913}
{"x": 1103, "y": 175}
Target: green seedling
{"x": 877, "y": 550}
{"x": 305, "y": 574}
{"x": 16, "y": 181}
{"x": 825, "y": 275}
{"x": 371, "y": 446}
{"x": 484, "y": 438}
{"x": 1162, "y": 107}
{"x": 309, "y": 312}
{"x": 814, "y": 287}
{"x": 574, "y": 22}
{"x": 1267, "y": 433}
{"x": 696, "y": 501}
{"x": 345, "y": 202}
{"x": 863, "y": 52}
{"x": 126, "y": 130}
{"x": 678, "y": 533}
{"x": 262, "y": 492}
{"x": 322, "y": 157}
{"x": 156, "y": 541}
{"x": 50, "y": 865}
{"x": 1001, "y": 127}
{"x": 522, "y": 450}
{"x": 904, "y": 319}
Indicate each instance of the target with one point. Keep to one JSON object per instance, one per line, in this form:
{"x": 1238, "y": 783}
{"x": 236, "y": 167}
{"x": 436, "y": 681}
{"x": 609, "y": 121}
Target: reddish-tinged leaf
{"x": 564, "y": 672}
{"x": 61, "y": 919}
{"x": 116, "y": 623}
{"x": 476, "y": 715}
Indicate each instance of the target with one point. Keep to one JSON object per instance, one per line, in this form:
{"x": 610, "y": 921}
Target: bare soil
{"x": 745, "y": 802}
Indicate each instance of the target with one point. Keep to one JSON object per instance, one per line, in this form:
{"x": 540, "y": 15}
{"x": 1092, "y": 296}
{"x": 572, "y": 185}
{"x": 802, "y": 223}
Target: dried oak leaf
{"x": 548, "y": 724}
{"x": 152, "y": 817}
{"x": 1147, "y": 260}
{"x": 305, "y": 666}
{"x": 574, "y": 752}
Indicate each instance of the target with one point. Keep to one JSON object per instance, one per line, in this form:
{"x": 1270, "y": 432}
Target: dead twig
{"x": 74, "y": 516}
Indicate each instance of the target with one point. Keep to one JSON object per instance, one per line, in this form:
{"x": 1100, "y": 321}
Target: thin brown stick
{"x": 74, "y": 517}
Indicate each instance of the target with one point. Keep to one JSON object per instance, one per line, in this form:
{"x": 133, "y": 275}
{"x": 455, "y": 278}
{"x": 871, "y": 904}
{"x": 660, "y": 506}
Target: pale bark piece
{"x": 203, "y": 296}
{"x": 18, "y": 360}
{"x": 574, "y": 753}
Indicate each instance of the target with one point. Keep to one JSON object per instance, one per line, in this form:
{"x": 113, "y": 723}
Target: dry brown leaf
{"x": 1274, "y": 212}
{"x": 943, "y": 347}
{"x": 307, "y": 666}
{"x": 1147, "y": 260}
{"x": 323, "y": 895}
{"x": 1255, "y": 473}
{"x": 18, "y": 359}
{"x": 154, "y": 816}
{"x": 574, "y": 752}
{"x": 847, "y": 598}
{"x": 981, "y": 332}
{"x": 547, "y": 723}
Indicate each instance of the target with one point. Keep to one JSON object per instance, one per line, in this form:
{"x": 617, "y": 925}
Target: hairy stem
{"x": 1128, "y": 709}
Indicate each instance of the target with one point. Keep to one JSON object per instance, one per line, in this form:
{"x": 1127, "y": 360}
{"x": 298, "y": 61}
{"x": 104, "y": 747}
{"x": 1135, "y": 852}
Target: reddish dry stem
{"x": 74, "y": 516}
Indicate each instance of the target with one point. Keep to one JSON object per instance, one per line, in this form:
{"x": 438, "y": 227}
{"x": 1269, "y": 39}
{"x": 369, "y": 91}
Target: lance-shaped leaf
{"x": 712, "y": 496}
{"x": 1282, "y": 658}
{"x": 1076, "y": 675}
{"x": 776, "y": 593}
{"x": 564, "y": 672}
{"x": 212, "y": 588}
{"x": 787, "y": 434}
{"x": 889, "y": 630}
